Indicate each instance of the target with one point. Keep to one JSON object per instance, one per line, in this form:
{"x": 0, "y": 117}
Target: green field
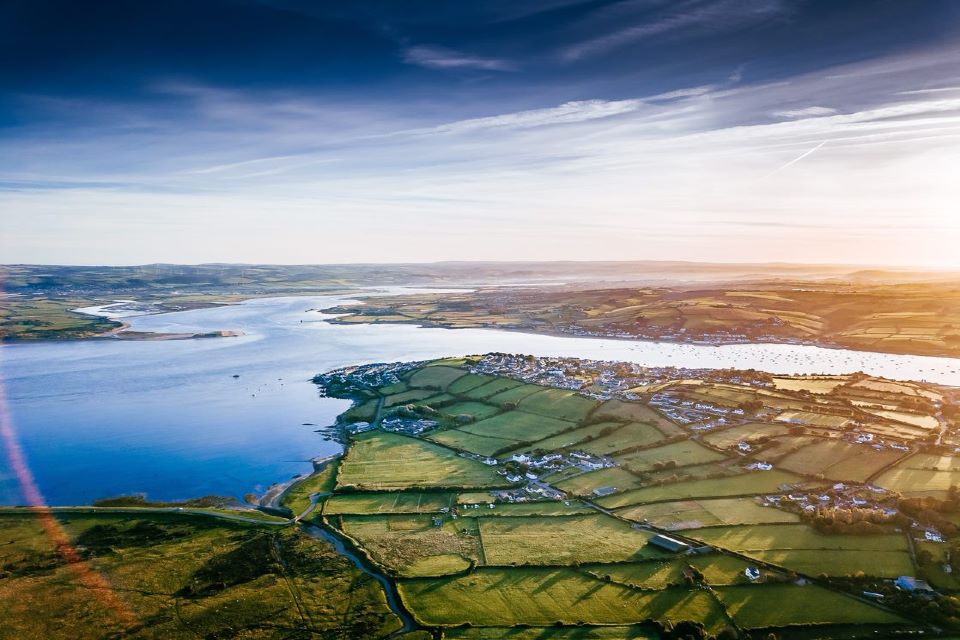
{"x": 547, "y": 508}
{"x": 492, "y": 388}
{"x": 636, "y": 412}
{"x": 800, "y": 548}
{"x": 922, "y": 474}
{"x": 563, "y": 540}
{"x": 408, "y": 397}
{"x": 512, "y": 427}
{"x": 542, "y": 596}
{"x": 683, "y": 453}
{"x": 730, "y": 437}
{"x": 584, "y": 483}
{"x": 839, "y": 460}
{"x": 795, "y": 536}
{"x": 484, "y": 445}
{"x": 694, "y": 514}
{"x": 660, "y": 574}
{"x": 383, "y": 461}
{"x": 559, "y": 403}
{"x": 516, "y": 394}
{"x": 414, "y": 546}
{"x": 435, "y": 377}
{"x": 476, "y": 410}
{"x": 775, "y": 605}
{"x": 834, "y": 562}
{"x": 468, "y": 382}
{"x": 388, "y": 502}
{"x": 632, "y": 434}
{"x": 753, "y": 483}
{"x": 297, "y": 497}
{"x": 565, "y": 440}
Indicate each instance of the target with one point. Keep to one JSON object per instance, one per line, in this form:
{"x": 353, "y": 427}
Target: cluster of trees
{"x": 830, "y": 525}
{"x": 933, "y": 511}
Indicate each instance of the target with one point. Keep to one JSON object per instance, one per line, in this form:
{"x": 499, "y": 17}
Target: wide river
{"x": 168, "y": 419}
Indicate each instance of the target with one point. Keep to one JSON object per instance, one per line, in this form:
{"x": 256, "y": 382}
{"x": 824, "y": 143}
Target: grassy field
{"x": 563, "y": 540}
{"x": 515, "y": 395}
{"x": 297, "y": 496}
{"x": 636, "y": 412}
{"x": 49, "y": 319}
{"x": 476, "y": 410}
{"x": 776, "y": 605}
{"x": 660, "y": 574}
{"x": 559, "y": 403}
{"x": 729, "y": 438}
{"x": 182, "y": 577}
{"x": 435, "y": 377}
{"x": 492, "y": 388}
{"x": 694, "y": 514}
{"x": 565, "y": 440}
{"x": 839, "y": 460}
{"x": 839, "y": 562}
{"x": 795, "y": 536}
{"x": 383, "y": 461}
{"x": 753, "y": 483}
{"x": 922, "y": 474}
{"x": 467, "y": 382}
{"x": 466, "y": 441}
{"x": 547, "y": 508}
{"x": 407, "y": 397}
{"x": 513, "y": 426}
{"x": 632, "y": 434}
{"x": 813, "y": 384}
{"x": 541, "y": 596}
{"x": 800, "y": 548}
{"x": 413, "y": 545}
{"x": 680, "y": 453}
{"x": 388, "y": 502}
{"x": 584, "y": 483}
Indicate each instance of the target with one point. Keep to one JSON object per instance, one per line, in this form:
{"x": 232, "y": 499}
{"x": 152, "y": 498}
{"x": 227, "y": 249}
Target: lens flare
{"x": 88, "y": 577}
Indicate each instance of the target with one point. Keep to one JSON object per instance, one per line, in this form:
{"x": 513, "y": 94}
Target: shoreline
{"x": 123, "y": 332}
{"x": 698, "y": 343}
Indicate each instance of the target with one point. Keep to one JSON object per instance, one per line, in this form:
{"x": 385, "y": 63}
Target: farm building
{"x": 668, "y": 543}
{"x": 914, "y": 585}
{"x": 604, "y": 491}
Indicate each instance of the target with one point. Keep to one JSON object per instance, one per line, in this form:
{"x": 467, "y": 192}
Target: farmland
{"x": 559, "y": 540}
{"x": 390, "y": 461}
{"x": 896, "y": 318}
{"x": 504, "y": 491}
{"x": 503, "y": 597}
{"x": 923, "y": 474}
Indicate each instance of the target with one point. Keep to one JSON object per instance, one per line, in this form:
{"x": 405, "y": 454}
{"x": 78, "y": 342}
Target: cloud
{"x": 566, "y": 113}
{"x": 442, "y": 58}
{"x": 697, "y": 16}
{"x": 578, "y": 179}
{"x": 569, "y": 112}
{"x": 805, "y": 112}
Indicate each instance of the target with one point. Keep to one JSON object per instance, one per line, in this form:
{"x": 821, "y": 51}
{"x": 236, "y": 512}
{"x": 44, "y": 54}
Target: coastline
{"x": 693, "y": 342}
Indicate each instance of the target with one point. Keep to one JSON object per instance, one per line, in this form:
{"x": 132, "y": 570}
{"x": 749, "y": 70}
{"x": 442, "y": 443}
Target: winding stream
{"x": 389, "y": 588}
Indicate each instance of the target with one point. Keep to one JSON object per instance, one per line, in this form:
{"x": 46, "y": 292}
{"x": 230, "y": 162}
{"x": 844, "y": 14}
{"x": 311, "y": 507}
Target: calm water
{"x": 168, "y": 419}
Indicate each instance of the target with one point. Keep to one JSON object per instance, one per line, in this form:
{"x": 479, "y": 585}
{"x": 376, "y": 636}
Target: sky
{"x": 296, "y": 131}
